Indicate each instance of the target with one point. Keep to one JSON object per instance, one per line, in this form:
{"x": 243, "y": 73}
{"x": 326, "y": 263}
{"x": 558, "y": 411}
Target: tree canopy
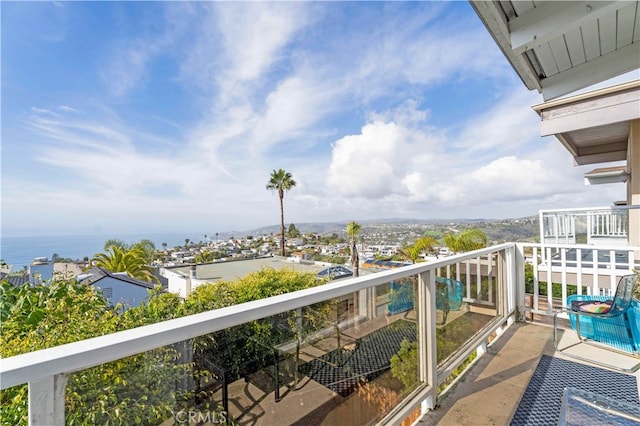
{"x": 133, "y": 261}
{"x": 467, "y": 240}
{"x": 423, "y": 244}
{"x": 292, "y": 231}
{"x": 144, "y": 388}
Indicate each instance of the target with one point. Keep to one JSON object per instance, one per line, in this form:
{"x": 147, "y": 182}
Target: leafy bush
{"x": 145, "y": 388}
{"x": 404, "y": 364}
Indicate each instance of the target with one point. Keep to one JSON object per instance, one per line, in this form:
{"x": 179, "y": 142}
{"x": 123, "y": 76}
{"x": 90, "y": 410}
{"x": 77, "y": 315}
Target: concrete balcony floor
{"x": 490, "y": 392}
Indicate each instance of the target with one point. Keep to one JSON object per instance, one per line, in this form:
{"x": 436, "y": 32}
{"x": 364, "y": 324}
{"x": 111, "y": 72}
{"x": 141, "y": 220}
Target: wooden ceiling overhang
{"x": 560, "y": 47}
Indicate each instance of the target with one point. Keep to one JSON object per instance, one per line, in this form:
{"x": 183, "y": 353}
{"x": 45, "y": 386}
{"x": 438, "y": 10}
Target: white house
{"x": 181, "y": 281}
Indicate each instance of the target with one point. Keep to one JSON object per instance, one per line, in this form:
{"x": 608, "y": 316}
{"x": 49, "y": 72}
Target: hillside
{"x": 405, "y": 231}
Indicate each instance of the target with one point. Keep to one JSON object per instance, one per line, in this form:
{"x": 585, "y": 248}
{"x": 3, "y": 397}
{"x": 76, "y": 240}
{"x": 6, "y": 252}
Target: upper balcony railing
{"x": 601, "y": 225}
{"x": 373, "y": 349}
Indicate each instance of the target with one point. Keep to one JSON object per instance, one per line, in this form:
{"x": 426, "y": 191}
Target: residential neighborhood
{"x": 393, "y": 213}
{"x": 182, "y": 268}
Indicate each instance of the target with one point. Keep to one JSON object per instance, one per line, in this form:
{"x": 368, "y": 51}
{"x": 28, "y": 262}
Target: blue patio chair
{"x": 611, "y": 322}
{"x": 400, "y": 298}
{"x": 448, "y": 296}
{"x": 454, "y": 290}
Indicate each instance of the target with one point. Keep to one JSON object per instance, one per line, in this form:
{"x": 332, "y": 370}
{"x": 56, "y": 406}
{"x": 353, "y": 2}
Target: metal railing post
{"x": 427, "y": 341}
{"x": 515, "y": 279}
{"x": 46, "y": 401}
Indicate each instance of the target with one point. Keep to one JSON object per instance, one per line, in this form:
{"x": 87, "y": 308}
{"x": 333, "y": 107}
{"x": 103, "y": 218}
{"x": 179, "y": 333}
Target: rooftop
{"x": 231, "y": 270}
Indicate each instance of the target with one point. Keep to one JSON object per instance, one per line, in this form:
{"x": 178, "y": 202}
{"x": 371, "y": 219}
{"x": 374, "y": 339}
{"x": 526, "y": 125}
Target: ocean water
{"x": 20, "y": 251}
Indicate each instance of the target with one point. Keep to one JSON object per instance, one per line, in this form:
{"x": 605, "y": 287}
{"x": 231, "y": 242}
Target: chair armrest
{"x": 568, "y": 310}
{"x": 585, "y": 298}
{"x": 633, "y": 314}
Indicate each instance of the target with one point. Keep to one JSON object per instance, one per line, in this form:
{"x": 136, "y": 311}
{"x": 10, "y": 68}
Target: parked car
{"x": 335, "y": 272}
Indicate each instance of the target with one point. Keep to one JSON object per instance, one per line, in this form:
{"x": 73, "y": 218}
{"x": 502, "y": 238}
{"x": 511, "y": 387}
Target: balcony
{"x": 603, "y": 225}
{"x": 383, "y": 348}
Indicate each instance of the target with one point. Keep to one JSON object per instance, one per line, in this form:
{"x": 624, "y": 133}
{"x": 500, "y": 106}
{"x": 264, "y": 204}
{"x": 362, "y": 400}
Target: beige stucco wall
{"x": 633, "y": 184}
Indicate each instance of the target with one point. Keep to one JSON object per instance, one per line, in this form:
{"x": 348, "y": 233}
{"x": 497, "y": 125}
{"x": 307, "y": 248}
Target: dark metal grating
{"x": 343, "y": 370}
{"x": 542, "y": 400}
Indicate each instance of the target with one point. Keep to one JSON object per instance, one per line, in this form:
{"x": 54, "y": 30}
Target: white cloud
{"x": 128, "y": 66}
{"x": 509, "y": 126}
{"x": 234, "y": 44}
{"x": 382, "y": 160}
{"x": 400, "y": 168}
{"x": 291, "y": 111}
{"x": 255, "y": 33}
{"x": 413, "y": 51}
{"x": 349, "y": 112}
{"x": 503, "y": 179}
{"x": 67, "y": 108}
{"x": 42, "y": 111}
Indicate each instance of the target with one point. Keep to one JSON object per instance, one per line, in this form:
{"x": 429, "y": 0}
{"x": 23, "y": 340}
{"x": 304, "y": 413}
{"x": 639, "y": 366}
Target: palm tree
{"x": 426, "y": 244}
{"x": 281, "y": 181}
{"x": 132, "y": 261}
{"x": 147, "y": 247}
{"x": 353, "y": 230}
{"x": 205, "y": 256}
{"x": 115, "y": 242}
{"x": 410, "y": 252}
{"x": 467, "y": 240}
{"x": 423, "y": 244}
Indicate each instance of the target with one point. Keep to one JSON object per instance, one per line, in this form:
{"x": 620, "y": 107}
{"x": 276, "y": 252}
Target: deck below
{"x": 490, "y": 392}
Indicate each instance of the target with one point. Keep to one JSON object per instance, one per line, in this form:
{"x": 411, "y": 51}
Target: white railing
{"x": 608, "y": 224}
{"x": 565, "y": 268}
{"x": 499, "y": 268}
{"x": 599, "y": 225}
{"x": 570, "y": 268}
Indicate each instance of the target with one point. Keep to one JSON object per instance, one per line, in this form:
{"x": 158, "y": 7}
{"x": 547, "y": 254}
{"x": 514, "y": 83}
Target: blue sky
{"x": 170, "y": 116}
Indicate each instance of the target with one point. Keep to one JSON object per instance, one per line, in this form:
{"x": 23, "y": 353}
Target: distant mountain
{"x": 304, "y": 228}
{"x": 515, "y": 229}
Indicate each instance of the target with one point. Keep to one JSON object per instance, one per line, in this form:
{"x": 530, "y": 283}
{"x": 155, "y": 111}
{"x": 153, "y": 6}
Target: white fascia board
{"x": 605, "y": 157}
{"x": 494, "y": 21}
{"x": 551, "y": 19}
{"x": 605, "y": 178}
{"x": 579, "y": 120}
{"x": 594, "y": 71}
{"x": 599, "y": 108}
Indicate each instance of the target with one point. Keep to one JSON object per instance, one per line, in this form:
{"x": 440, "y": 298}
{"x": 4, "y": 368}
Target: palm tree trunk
{"x": 281, "y": 222}
{"x": 355, "y": 260}
{"x": 357, "y": 268}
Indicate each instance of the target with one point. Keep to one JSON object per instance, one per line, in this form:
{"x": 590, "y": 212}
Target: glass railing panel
{"x": 148, "y": 388}
{"x": 359, "y": 365}
{"x": 348, "y": 360}
{"x": 471, "y": 289}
